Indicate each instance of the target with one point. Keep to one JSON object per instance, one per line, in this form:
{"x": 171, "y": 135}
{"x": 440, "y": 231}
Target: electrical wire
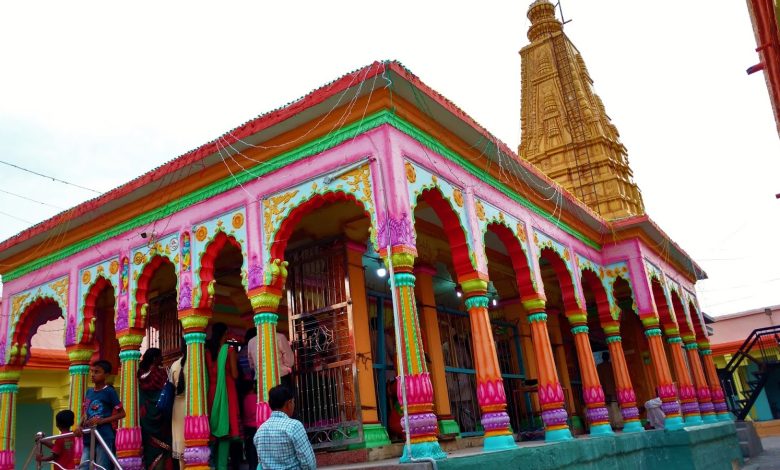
{"x": 49, "y": 177}
{"x": 30, "y": 199}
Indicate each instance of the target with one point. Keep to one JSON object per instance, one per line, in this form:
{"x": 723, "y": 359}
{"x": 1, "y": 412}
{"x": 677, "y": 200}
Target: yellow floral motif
{"x": 411, "y": 173}
{"x": 457, "y": 195}
{"x": 176, "y": 259}
{"x": 521, "y": 233}
{"x": 101, "y": 271}
{"x": 480, "y": 210}
{"x": 113, "y": 268}
{"x": 566, "y": 254}
{"x": 501, "y": 216}
{"x": 274, "y": 208}
{"x": 201, "y": 233}
{"x": 139, "y": 258}
{"x": 536, "y": 239}
{"x": 86, "y": 277}
{"x": 359, "y": 184}
{"x": 434, "y": 179}
{"x": 60, "y": 287}
{"x": 238, "y": 220}
{"x": 314, "y": 186}
{"x": 17, "y": 303}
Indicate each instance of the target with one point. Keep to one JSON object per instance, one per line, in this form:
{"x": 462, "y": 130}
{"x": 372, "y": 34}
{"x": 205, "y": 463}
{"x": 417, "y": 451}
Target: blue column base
{"x": 694, "y": 420}
{"x": 423, "y": 450}
{"x": 558, "y": 435}
{"x": 724, "y": 416}
{"x": 673, "y": 423}
{"x": 710, "y": 418}
{"x": 633, "y": 426}
{"x": 601, "y": 430}
{"x": 494, "y": 443}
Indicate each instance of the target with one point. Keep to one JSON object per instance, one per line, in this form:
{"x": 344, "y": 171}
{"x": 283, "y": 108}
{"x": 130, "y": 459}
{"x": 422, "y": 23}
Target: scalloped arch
{"x": 38, "y": 312}
{"x": 154, "y": 264}
{"x": 517, "y": 254}
{"x": 206, "y": 273}
{"x": 90, "y": 314}
{"x": 456, "y": 234}
{"x": 591, "y": 280}
{"x": 564, "y": 277}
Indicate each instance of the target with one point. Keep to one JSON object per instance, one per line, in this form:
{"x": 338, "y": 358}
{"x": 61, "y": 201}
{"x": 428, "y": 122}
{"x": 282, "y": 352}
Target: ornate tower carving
{"x": 565, "y": 131}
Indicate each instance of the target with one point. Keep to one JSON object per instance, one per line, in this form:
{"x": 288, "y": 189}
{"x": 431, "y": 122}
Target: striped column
{"x": 687, "y": 394}
{"x": 128, "y": 435}
{"x": 593, "y": 394}
{"x": 9, "y": 387}
{"x": 79, "y": 356}
{"x": 551, "y": 396}
{"x": 718, "y": 399}
{"x": 196, "y": 422}
{"x": 491, "y": 395}
{"x": 699, "y": 380}
{"x": 422, "y": 425}
{"x": 265, "y": 303}
{"x": 667, "y": 392}
{"x": 625, "y": 389}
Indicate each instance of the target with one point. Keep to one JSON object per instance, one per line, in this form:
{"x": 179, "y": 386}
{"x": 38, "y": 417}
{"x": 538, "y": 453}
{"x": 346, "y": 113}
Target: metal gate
{"x": 321, "y": 328}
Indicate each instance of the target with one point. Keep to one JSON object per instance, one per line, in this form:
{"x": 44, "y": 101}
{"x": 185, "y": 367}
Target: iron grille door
{"x": 321, "y": 329}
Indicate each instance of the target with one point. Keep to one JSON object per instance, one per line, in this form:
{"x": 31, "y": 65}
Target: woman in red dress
{"x": 222, "y": 364}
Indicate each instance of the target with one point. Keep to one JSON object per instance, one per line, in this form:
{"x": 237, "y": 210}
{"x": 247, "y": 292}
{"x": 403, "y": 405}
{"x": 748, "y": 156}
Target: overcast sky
{"x": 96, "y": 94}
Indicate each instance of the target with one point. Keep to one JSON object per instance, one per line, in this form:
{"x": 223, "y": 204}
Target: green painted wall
{"x": 30, "y": 418}
{"x": 710, "y": 447}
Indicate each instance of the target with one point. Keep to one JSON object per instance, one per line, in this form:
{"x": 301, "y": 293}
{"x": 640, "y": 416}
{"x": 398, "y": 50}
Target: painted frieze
{"x": 195, "y": 247}
{"x": 542, "y": 241}
{"x": 488, "y": 214}
{"x": 88, "y": 277}
{"x": 140, "y": 257}
{"x": 420, "y": 180}
{"x": 276, "y": 208}
{"x": 56, "y": 290}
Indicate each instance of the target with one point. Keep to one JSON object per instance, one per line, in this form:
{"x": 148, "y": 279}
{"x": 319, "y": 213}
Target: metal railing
{"x": 95, "y": 437}
{"x": 761, "y": 348}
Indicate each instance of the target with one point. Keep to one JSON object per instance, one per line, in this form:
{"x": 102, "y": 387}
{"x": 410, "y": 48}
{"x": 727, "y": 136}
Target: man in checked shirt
{"x": 281, "y": 441}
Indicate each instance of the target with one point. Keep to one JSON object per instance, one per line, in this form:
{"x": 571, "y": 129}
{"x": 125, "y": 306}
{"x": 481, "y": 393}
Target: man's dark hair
{"x": 278, "y": 396}
{"x": 65, "y": 419}
{"x": 103, "y": 364}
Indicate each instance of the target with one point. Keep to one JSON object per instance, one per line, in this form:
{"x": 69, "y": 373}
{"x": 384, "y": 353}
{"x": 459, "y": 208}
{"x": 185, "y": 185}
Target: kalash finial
{"x": 543, "y": 20}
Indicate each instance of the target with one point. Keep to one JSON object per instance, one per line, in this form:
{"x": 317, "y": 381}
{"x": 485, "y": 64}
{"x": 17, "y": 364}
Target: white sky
{"x": 98, "y": 93}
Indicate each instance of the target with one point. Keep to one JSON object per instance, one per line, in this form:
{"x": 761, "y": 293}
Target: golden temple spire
{"x": 565, "y": 131}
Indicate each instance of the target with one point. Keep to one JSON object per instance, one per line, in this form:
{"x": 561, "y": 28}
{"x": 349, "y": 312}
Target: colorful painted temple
{"x": 532, "y": 292}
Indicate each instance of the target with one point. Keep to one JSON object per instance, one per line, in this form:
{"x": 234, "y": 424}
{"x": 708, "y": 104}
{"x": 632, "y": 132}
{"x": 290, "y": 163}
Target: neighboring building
{"x": 519, "y": 307}
{"x": 730, "y": 332}
{"x": 765, "y": 16}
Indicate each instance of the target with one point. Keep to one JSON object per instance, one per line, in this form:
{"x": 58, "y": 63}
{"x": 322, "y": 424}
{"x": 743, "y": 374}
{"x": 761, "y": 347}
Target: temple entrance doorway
{"x": 163, "y": 329}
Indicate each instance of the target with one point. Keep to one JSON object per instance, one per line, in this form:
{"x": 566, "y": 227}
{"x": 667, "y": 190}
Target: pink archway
{"x": 207, "y": 263}
{"x": 41, "y": 311}
{"x": 564, "y": 278}
{"x": 517, "y": 254}
{"x": 456, "y": 237}
{"x": 142, "y": 289}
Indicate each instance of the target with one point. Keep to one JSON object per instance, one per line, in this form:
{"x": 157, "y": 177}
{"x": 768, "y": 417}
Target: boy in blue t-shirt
{"x": 100, "y": 410}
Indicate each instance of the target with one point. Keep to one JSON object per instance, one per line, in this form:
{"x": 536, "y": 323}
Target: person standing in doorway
{"x": 281, "y": 441}
{"x": 222, "y": 365}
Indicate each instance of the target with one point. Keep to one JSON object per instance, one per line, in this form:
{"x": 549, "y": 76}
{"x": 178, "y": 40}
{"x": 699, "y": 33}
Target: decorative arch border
{"x": 108, "y": 270}
{"x": 684, "y": 323}
{"x": 55, "y": 291}
{"x": 144, "y": 256}
{"x": 276, "y": 208}
{"x": 586, "y": 264}
{"x": 207, "y": 239}
{"x": 420, "y": 180}
{"x": 655, "y": 273}
{"x": 610, "y": 273}
{"x": 494, "y": 216}
{"x": 86, "y": 322}
{"x": 697, "y": 321}
{"x": 543, "y": 241}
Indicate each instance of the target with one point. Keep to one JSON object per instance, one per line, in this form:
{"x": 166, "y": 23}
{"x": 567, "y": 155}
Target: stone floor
{"x": 769, "y": 459}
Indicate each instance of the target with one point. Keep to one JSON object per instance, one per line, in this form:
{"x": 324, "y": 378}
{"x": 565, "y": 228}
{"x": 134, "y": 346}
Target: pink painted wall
{"x": 737, "y": 326}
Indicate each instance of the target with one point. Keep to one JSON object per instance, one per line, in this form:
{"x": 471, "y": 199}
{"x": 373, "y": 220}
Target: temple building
{"x": 404, "y": 251}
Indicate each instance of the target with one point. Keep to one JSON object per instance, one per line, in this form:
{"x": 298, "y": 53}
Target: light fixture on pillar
{"x": 495, "y": 302}
{"x": 458, "y": 292}
{"x": 381, "y": 272}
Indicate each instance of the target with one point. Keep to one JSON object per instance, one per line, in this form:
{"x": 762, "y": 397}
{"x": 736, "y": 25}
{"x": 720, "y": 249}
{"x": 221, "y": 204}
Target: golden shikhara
{"x": 565, "y": 131}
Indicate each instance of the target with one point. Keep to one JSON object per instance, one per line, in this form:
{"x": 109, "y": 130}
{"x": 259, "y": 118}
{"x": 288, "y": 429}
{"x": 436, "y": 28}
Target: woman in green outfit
{"x": 222, "y": 364}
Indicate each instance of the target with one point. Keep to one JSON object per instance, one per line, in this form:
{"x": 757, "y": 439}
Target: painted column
{"x": 265, "y": 304}
{"x": 9, "y": 387}
{"x": 128, "y": 434}
{"x": 666, "y": 390}
{"x": 700, "y": 382}
{"x": 422, "y": 425}
{"x": 550, "y": 393}
{"x": 625, "y": 390}
{"x": 374, "y": 434}
{"x": 718, "y": 400}
{"x": 429, "y": 318}
{"x": 686, "y": 392}
{"x": 196, "y": 421}
{"x": 593, "y": 394}
{"x": 79, "y": 356}
{"x": 491, "y": 394}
